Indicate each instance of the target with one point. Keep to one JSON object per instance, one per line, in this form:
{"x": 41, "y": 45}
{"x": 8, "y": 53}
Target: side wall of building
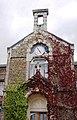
{"x": 2, "y": 85}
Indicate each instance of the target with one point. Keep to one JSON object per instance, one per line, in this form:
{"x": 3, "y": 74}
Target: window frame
{"x": 39, "y": 114}
{"x": 40, "y": 64}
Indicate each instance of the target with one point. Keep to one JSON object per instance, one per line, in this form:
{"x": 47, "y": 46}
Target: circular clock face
{"x": 39, "y": 50}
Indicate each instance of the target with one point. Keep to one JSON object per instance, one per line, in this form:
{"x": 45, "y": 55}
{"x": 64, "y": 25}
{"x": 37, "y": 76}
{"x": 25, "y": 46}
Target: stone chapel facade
{"x": 44, "y": 62}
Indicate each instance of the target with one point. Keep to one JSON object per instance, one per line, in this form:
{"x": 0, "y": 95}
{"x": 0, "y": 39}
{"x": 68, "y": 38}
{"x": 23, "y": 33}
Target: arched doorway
{"x": 37, "y": 107}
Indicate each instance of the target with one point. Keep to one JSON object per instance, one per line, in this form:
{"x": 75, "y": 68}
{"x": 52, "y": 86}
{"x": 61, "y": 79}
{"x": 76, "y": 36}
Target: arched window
{"x": 38, "y": 107}
{"x": 40, "y": 64}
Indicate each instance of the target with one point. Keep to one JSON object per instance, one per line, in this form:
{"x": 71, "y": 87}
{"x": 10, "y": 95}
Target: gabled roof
{"x": 75, "y": 63}
{"x": 3, "y": 65}
{"x": 44, "y": 31}
{"x": 20, "y": 41}
{"x": 60, "y": 38}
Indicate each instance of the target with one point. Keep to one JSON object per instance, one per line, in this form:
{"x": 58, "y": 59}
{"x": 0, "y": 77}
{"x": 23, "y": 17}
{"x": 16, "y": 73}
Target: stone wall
{"x": 75, "y": 66}
{"x": 60, "y": 70}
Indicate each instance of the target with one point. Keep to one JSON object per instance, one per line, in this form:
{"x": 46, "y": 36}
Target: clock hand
{"x": 44, "y": 53}
{"x": 39, "y": 50}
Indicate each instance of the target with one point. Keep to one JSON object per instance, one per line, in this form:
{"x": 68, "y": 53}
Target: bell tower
{"x": 40, "y": 20}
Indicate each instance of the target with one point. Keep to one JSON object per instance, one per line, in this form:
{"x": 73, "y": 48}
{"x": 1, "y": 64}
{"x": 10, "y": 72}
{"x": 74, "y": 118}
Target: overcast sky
{"x": 16, "y": 21}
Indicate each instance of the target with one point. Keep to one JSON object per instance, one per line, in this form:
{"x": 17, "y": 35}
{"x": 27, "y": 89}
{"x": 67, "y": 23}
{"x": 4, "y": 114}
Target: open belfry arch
{"x": 44, "y": 62}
